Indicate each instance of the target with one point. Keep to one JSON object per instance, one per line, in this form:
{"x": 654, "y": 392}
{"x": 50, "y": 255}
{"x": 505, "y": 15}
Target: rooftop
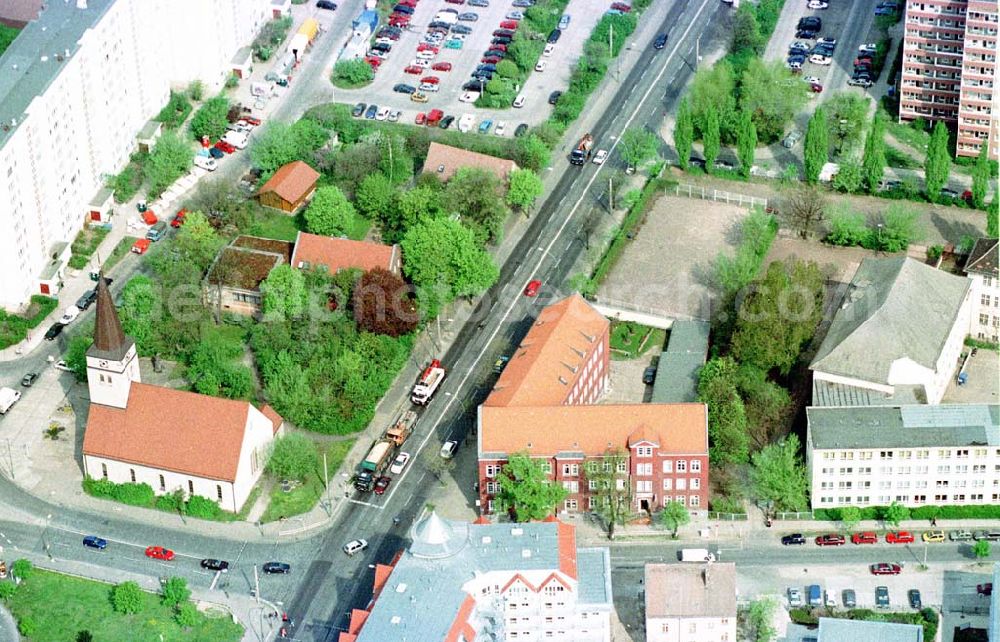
{"x": 35, "y": 58}
{"x": 829, "y": 393}
{"x": 425, "y": 597}
{"x": 837, "y": 630}
{"x": 444, "y": 160}
{"x": 874, "y": 326}
{"x": 549, "y": 360}
{"x": 983, "y": 258}
{"x": 677, "y": 371}
{"x": 591, "y": 429}
{"x": 904, "y": 426}
{"x": 292, "y": 181}
{"x": 691, "y": 590}
{"x": 247, "y": 261}
{"x": 335, "y": 254}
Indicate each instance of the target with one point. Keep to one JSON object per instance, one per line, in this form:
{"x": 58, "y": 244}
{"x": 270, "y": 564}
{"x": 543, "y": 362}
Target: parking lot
{"x": 584, "y": 15}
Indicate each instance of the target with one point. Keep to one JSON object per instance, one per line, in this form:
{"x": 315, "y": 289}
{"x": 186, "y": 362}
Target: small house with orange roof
{"x": 170, "y": 439}
{"x": 334, "y": 254}
{"x": 289, "y": 188}
{"x": 462, "y": 582}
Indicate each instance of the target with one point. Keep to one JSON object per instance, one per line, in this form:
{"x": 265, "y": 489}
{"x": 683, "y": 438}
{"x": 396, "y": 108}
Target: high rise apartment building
{"x": 949, "y": 69}
{"x": 76, "y": 86}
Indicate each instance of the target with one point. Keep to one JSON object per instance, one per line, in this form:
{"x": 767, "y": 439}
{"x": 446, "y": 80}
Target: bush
{"x": 349, "y": 74}
{"x": 187, "y": 613}
{"x": 126, "y": 598}
{"x": 985, "y": 511}
{"x": 176, "y": 591}
{"x": 22, "y": 569}
{"x": 27, "y": 626}
{"x": 14, "y": 328}
{"x": 175, "y": 112}
{"x": 203, "y": 508}
{"x": 7, "y": 590}
{"x": 803, "y": 616}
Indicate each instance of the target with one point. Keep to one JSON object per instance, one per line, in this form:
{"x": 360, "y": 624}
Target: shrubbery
{"x": 142, "y": 495}
{"x": 14, "y": 328}
{"x": 984, "y": 511}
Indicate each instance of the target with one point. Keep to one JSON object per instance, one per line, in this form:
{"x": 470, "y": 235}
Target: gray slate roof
{"x": 836, "y": 630}
{"x": 983, "y": 258}
{"x": 424, "y": 592}
{"x": 904, "y": 426}
{"x": 677, "y": 371}
{"x": 23, "y": 72}
{"x": 877, "y": 323}
{"x": 829, "y": 393}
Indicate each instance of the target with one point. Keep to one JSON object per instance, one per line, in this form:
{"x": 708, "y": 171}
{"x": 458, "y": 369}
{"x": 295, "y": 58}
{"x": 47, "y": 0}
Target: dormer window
{"x": 644, "y": 451}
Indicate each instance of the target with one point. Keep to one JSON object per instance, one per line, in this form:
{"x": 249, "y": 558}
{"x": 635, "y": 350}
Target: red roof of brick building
{"x": 444, "y": 160}
{"x": 292, "y": 181}
{"x": 336, "y": 254}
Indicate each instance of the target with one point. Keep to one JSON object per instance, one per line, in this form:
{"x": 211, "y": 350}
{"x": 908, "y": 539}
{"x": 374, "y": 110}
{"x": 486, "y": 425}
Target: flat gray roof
{"x": 677, "y": 371}
{"x": 837, "y": 630}
{"x": 39, "y": 53}
{"x": 691, "y": 590}
{"x": 828, "y": 393}
{"x": 905, "y": 426}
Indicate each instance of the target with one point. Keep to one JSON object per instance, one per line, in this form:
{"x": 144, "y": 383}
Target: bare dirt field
{"x": 666, "y": 269}
{"x": 838, "y": 263}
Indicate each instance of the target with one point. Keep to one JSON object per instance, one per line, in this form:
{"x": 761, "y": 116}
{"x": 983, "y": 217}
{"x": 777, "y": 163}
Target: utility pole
{"x": 611, "y": 196}
{"x": 611, "y": 42}
{"x": 697, "y": 51}
{"x": 326, "y": 484}
{"x": 256, "y": 584}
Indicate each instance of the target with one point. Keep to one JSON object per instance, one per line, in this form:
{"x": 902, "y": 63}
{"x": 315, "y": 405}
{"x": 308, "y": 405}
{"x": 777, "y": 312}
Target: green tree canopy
{"x": 982, "y": 549}
{"x": 847, "y": 116}
{"x": 773, "y": 95}
{"x": 411, "y": 208}
{"x": 727, "y": 421}
{"x": 352, "y": 73}
{"x": 710, "y": 138}
{"x": 610, "y": 488}
{"x": 848, "y": 176}
{"x": 746, "y": 30}
{"x": 329, "y": 213}
{"x": 127, "y": 598}
{"x": 684, "y": 133}
{"x": 895, "y": 513}
{"x": 532, "y": 153}
{"x": 746, "y": 142}
{"x": 211, "y": 119}
{"x": 197, "y": 242}
{"x": 901, "y": 227}
{"x": 294, "y": 456}
{"x": 176, "y": 591}
{"x": 279, "y": 143}
{"x": 673, "y": 516}
{"x": 375, "y": 195}
{"x": 525, "y": 186}
{"x": 637, "y": 146}
{"x": 713, "y": 87}
{"x": 981, "y": 177}
{"x": 476, "y": 196}
{"x": 778, "y": 474}
{"x": 937, "y": 163}
{"x": 526, "y": 490}
{"x": 283, "y": 293}
{"x": 22, "y": 569}
{"x": 187, "y": 615}
{"x": 873, "y": 161}
{"x": 170, "y": 159}
{"x": 816, "y": 145}
{"x": 141, "y": 310}
{"x": 850, "y": 516}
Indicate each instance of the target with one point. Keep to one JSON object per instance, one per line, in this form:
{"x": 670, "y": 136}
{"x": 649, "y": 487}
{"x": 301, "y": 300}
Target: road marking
{"x": 358, "y": 501}
{"x": 516, "y": 299}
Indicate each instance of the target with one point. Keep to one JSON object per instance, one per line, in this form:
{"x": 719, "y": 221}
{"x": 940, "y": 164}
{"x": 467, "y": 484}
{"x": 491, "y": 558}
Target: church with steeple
{"x": 170, "y": 439}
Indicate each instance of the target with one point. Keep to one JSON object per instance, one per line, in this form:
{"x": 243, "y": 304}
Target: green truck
{"x": 374, "y": 464}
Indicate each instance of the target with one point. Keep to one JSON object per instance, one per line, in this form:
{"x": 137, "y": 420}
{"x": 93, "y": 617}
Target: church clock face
{"x": 103, "y": 364}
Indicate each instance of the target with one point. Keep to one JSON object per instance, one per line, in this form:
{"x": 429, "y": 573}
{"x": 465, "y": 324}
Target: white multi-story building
{"x": 916, "y": 455}
{"x": 479, "y": 582}
{"x": 76, "y": 87}
{"x": 982, "y": 268}
{"x": 691, "y": 602}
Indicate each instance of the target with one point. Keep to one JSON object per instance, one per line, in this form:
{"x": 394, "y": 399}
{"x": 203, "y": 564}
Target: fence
{"x": 803, "y": 515}
{"x": 728, "y": 517}
{"x": 693, "y": 191}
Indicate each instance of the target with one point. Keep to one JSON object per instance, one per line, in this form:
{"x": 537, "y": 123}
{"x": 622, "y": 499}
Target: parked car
{"x": 69, "y": 315}
{"x": 223, "y": 146}
{"x": 501, "y": 128}
{"x": 54, "y": 331}
{"x": 215, "y": 565}
{"x": 500, "y": 364}
{"x": 850, "y": 598}
{"x": 532, "y": 288}
{"x": 420, "y": 119}
{"x": 381, "y": 485}
{"x": 554, "y": 36}
{"x": 794, "y": 538}
{"x": 882, "y": 597}
{"x": 62, "y": 365}
{"x": 794, "y": 597}
{"x": 448, "y": 449}
{"x": 419, "y": 97}
{"x": 554, "y": 97}
{"x": 621, "y": 6}
{"x": 885, "y": 568}
{"x": 660, "y": 42}
{"x": 485, "y": 125}
{"x": 899, "y": 537}
{"x": 860, "y": 81}
{"x": 867, "y": 537}
{"x": 521, "y": 130}
{"x": 806, "y": 34}
{"x": 831, "y": 539}
{"x": 277, "y": 568}
{"x": 799, "y": 48}
{"x": 93, "y": 541}
{"x": 399, "y": 463}
{"x": 326, "y": 4}
{"x": 914, "y": 597}
{"x": 541, "y": 65}
{"x": 29, "y": 379}
{"x": 371, "y": 112}
{"x": 791, "y": 139}
{"x": 159, "y": 553}
{"x": 441, "y": 66}
{"x": 933, "y": 536}
{"x": 446, "y": 122}
{"x": 479, "y": 3}
{"x": 470, "y": 16}
{"x": 600, "y": 156}
{"x": 818, "y": 59}
{"x": 563, "y": 22}
{"x": 206, "y": 163}
{"x": 817, "y": 4}
{"x": 216, "y": 154}
{"x": 960, "y": 536}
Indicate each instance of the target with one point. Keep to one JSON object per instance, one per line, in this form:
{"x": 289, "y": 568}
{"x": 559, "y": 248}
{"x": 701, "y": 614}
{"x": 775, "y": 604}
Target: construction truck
{"x": 400, "y": 431}
{"x": 581, "y": 152}
{"x": 430, "y": 381}
{"x": 695, "y": 555}
{"x": 374, "y": 464}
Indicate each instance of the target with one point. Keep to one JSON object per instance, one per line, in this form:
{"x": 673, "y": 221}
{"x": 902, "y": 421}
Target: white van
{"x": 446, "y": 17}
{"x": 466, "y": 122}
{"x": 238, "y": 140}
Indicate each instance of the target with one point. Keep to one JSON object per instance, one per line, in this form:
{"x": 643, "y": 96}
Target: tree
{"x": 506, "y": 69}
{"x": 170, "y": 159}
{"x": 197, "y": 242}
{"x": 746, "y": 142}
{"x": 329, "y": 213}
{"x": 992, "y": 223}
{"x": 279, "y": 143}
{"x": 778, "y": 475}
{"x": 816, "y": 146}
{"x": 610, "y": 488}
{"x": 981, "y": 549}
{"x": 727, "y": 421}
{"x": 767, "y": 404}
{"x": 684, "y": 134}
{"x": 805, "y": 207}
{"x": 637, "y": 146}
{"x": 873, "y": 160}
{"x": 375, "y": 195}
{"x": 475, "y": 195}
{"x": 383, "y": 305}
{"x": 140, "y": 311}
{"x": 848, "y": 177}
{"x": 746, "y": 31}
{"x": 293, "y": 457}
{"x": 525, "y": 186}
{"x": 901, "y": 226}
{"x": 349, "y": 74}
{"x": 710, "y": 138}
{"x": 847, "y": 227}
{"x": 196, "y": 90}
{"x": 526, "y": 490}
{"x": 22, "y": 569}
{"x": 773, "y": 95}
{"x": 211, "y": 119}
{"x": 847, "y": 115}
{"x": 779, "y": 315}
{"x": 187, "y": 615}
{"x": 176, "y": 591}
{"x": 673, "y": 516}
{"x": 76, "y": 354}
{"x": 393, "y": 158}
{"x": 937, "y": 163}
{"x": 714, "y": 87}
{"x": 981, "y": 178}
{"x": 411, "y": 208}
{"x": 283, "y": 293}
{"x": 442, "y": 254}
{"x": 215, "y": 367}
{"x": 7, "y": 590}
{"x": 532, "y": 153}
{"x": 127, "y": 598}
{"x": 850, "y": 516}
{"x": 894, "y": 513}
{"x": 760, "y": 617}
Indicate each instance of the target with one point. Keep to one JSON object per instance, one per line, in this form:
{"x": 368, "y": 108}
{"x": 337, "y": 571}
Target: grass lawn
{"x": 896, "y": 158}
{"x": 275, "y": 225}
{"x": 7, "y": 35}
{"x": 120, "y": 252}
{"x": 302, "y": 498}
{"x": 631, "y": 340}
{"x": 61, "y": 606}
{"x": 359, "y": 229}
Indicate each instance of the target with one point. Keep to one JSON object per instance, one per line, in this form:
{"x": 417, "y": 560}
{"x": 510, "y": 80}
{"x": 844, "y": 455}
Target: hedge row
{"x": 14, "y": 328}
{"x": 982, "y": 511}
{"x": 142, "y": 495}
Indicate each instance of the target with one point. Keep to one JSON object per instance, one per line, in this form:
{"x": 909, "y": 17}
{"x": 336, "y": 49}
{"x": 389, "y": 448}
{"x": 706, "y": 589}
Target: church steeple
{"x": 112, "y": 361}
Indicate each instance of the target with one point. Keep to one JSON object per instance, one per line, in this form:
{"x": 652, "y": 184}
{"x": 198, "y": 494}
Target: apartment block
{"x": 949, "y": 69}
{"x": 982, "y": 268}
{"x": 76, "y": 88}
{"x": 915, "y": 455}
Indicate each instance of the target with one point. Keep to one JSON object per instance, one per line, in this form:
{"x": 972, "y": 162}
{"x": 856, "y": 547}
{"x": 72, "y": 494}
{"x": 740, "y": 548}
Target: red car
{"x": 159, "y": 553}
{"x": 985, "y": 589}
{"x": 489, "y": 60}
{"x": 398, "y": 20}
{"x": 509, "y": 24}
{"x": 408, "y": 3}
{"x": 455, "y": 1}
{"x": 374, "y": 61}
{"x": 430, "y": 80}
{"x": 816, "y": 88}
{"x": 499, "y": 47}
{"x": 441, "y": 66}
{"x": 830, "y": 540}
{"x": 532, "y": 288}
{"x": 413, "y": 69}
{"x": 250, "y": 120}
{"x": 381, "y": 484}
{"x": 899, "y": 537}
{"x": 885, "y": 569}
{"x": 421, "y": 118}
{"x": 223, "y": 146}
{"x": 426, "y": 46}
{"x": 867, "y": 537}
{"x": 178, "y": 218}
{"x": 621, "y": 6}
